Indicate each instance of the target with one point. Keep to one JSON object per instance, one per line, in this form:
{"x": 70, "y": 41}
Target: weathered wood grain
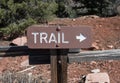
{"x": 113, "y": 54}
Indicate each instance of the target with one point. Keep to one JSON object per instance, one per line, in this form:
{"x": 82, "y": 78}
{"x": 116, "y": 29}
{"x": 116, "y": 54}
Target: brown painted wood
{"x": 62, "y": 66}
{"x": 59, "y": 37}
{"x": 63, "y": 69}
{"x": 54, "y": 75}
{"x": 59, "y": 66}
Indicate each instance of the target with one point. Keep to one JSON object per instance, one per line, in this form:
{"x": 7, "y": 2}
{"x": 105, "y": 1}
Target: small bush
{"x": 16, "y": 29}
{"x": 8, "y": 77}
{"x": 17, "y": 15}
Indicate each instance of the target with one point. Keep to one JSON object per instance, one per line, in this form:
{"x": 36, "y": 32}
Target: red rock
{"x": 20, "y": 41}
{"x": 110, "y": 46}
{"x": 97, "y": 78}
{"x": 95, "y": 45}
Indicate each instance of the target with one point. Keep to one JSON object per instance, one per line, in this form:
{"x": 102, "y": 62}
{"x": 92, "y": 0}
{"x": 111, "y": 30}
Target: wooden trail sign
{"x": 59, "y": 37}
{"x": 56, "y": 41}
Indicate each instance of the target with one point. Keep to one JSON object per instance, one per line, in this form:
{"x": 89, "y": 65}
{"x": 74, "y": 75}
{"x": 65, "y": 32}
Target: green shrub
{"x": 17, "y": 15}
{"x": 43, "y": 12}
{"x": 16, "y": 29}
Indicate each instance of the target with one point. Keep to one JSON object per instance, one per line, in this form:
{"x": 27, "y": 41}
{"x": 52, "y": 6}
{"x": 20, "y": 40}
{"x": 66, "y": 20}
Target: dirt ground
{"x": 106, "y": 35}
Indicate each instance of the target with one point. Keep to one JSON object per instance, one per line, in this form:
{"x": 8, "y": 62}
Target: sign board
{"x": 58, "y": 37}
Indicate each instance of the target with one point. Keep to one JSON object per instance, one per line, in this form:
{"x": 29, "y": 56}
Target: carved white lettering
{"x": 35, "y": 36}
{"x": 63, "y": 39}
{"x": 58, "y": 37}
{"x": 52, "y": 38}
{"x": 43, "y": 37}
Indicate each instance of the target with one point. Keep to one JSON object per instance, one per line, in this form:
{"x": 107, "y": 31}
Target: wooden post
{"x": 59, "y": 66}
{"x": 62, "y": 66}
{"x": 53, "y": 61}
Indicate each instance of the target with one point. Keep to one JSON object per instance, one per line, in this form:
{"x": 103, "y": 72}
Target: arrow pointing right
{"x": 81, "y": 37}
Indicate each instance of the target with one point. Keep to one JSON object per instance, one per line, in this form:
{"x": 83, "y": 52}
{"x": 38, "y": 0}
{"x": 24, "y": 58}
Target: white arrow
{"x": 81, "y": 37}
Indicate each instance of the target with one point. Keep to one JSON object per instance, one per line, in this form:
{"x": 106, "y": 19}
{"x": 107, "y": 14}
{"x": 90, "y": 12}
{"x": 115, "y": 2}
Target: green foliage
{"x": 12, "y": 12}
{"x": 13, "y": 30}
{"x": 17, "y": 15}
{"x": 65, "y": 10}
{"x": 43, "y": 12}
{"x": 91, "y": 7}
{"x": 75, "y": 8}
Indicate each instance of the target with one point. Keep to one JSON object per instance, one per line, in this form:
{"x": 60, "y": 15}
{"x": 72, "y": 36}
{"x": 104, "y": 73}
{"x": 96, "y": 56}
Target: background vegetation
{"x": 17, "y": 15}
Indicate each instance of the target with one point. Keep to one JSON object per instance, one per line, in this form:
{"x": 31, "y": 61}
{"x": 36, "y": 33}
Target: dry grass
{"x": 8, "y": 77}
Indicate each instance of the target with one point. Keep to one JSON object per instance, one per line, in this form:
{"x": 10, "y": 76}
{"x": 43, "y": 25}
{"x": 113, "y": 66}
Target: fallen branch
{"x": 26, "y": 69}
